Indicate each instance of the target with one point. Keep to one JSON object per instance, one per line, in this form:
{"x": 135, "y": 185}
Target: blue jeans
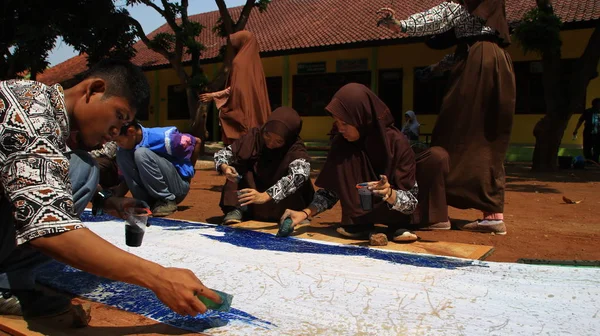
{"x": 151, "y": 177}
{"x": 17, "y": 263}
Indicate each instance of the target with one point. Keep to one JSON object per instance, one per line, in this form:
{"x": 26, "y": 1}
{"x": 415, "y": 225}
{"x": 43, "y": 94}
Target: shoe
{"x": 33, "y": 304}
{"x": 404, "y": 236}
{"x": 487, "y": 226}
{"x": 435, "y": 226}
{"x": 358, "y": 231}
{"x": 233, "y": 217}
{"x": 164, "y": 208}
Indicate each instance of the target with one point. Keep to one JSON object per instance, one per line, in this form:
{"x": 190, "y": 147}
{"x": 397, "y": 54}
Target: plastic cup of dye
{"x": 225, "y": 306}
{"x": 366, "y": 196}
{"x": 245, "y": 207}
{"x": 135, "y": 227}
{"x": 285, "y": 229}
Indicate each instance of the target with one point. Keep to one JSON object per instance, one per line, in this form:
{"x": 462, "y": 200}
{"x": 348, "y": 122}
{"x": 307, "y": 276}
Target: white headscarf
{"x": 411, "y": 126}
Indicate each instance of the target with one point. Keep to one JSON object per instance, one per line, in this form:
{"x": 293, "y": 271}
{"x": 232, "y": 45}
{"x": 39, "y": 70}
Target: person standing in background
{"x": 591, "y": 131}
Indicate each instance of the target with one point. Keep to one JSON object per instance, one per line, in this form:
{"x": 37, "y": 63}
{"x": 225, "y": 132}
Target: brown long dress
{"x": 248, "y": 103}
{"x": 262, "y": 167}
{"x": 432, "y": 169}
{"x": 381, "y": 150}
{"x": 479, "y": 106}
{"x": 475, "y": 121}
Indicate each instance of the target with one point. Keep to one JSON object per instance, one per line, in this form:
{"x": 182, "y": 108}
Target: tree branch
{"x": 140, "y": 33}
{"x": 225, "y": 16}
{"x": 153, "y": 5}
{"x": 184, "y": 12}
{"x": 241, "y": 22}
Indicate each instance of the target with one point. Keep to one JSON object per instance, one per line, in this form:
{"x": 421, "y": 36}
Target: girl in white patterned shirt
{"x": 269, "y": 168}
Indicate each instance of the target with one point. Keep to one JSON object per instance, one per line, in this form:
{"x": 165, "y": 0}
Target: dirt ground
{"x": 540, "y": 224}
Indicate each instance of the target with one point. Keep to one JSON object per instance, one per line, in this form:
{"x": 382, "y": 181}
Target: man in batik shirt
{"x": 46, "y": 185}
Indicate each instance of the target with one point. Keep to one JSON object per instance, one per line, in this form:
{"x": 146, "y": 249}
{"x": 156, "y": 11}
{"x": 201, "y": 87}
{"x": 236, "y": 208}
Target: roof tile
{"x": 298, "y": 24}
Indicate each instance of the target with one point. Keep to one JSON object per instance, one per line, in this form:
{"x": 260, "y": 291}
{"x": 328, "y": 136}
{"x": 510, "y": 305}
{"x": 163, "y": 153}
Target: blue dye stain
{"x": 136, "y": 299}
{"x": 265, "y": 241}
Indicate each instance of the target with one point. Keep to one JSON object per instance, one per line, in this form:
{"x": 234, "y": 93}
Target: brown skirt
{"x": 474, "y": 127}
{"x": 432, "y": 169}
{"x": 270, "y": 211}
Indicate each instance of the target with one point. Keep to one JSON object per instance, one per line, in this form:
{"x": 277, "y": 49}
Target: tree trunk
{"x": 199, "y": 123}
{"x": 548, "y": 134}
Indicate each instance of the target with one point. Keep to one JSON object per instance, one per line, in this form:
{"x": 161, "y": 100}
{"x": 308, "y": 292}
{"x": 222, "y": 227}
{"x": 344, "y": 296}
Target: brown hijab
{"x": 248, "y": 104}
{"x": 493, "y": 12}
{"x": 269, "y": 165}
{"x": 381, "y": 149}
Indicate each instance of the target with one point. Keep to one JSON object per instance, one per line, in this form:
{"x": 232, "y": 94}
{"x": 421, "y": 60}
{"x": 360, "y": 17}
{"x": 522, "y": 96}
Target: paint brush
{"x": 226, "y": 299}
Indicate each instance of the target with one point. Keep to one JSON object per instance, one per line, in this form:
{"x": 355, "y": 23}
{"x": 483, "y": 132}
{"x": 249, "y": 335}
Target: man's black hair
{"x": 123, "y": 79}
{"x": 595, "y": 102}
{"x": 134, "y": 122}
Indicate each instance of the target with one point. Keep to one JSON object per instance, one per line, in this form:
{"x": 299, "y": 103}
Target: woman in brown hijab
{"x": 475, "y": 120}
{"x": 269, "y": 168}
{"x": 368, "y": 148}
{"x": 244, "y": 104}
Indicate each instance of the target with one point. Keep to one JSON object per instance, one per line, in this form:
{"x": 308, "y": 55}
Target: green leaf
{"x": 539, "y": 32}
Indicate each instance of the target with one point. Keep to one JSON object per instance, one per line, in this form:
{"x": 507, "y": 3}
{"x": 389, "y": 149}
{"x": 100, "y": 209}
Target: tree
{"x": 183, "y": 41}
{"x": 30, "y": 29}
{"x": 539, "y": 32}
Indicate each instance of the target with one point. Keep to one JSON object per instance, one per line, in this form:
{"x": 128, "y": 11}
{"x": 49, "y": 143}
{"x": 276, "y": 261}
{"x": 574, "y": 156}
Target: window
{"x": 390, "y": 91}
{"x": 530, "y": 85}
{"x": 274, "y": 87}
{"x": 530, "y": 88}
{"x": 177, "y": 106}
{"x": 428, "y": 95}
{"x": 313, "y": 92}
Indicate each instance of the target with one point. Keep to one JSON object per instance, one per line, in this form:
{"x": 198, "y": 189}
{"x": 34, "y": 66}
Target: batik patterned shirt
{"x": 34, "y": 127}
{"x": 108, "y": 150}
{"x": 298, "y": 174}
{"x": 442, "y": 18}
{"x": 406, "y": 201}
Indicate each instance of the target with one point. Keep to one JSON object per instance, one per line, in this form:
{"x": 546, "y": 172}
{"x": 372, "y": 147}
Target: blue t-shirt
{"x": 171, "y": 144}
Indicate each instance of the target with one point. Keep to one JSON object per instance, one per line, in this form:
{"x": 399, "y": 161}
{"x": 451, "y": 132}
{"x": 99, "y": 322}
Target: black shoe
{"x": 33, "y": 303}
{"x": 358, "y": 231}
{"x": 164, "y": 208}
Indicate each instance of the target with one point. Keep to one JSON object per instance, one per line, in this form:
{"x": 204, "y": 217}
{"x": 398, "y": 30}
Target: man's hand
{"x": 251, "y": 196}
{"x": 230, "y": 173}
{"x": 118, "y": 206}
{"x": 173, "y": 286}
{"x": 177, "y": 288}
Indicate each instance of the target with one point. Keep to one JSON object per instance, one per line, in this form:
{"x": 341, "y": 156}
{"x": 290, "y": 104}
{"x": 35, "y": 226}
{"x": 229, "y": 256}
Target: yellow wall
{"x": 406, "y": 57}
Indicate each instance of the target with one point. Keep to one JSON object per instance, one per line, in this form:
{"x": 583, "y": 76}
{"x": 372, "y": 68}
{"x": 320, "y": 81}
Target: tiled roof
{"x": 301, "y": 24}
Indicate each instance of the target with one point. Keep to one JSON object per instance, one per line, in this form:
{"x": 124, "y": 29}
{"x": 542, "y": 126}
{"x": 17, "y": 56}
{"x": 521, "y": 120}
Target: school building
{"x": 311, "y": 48}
